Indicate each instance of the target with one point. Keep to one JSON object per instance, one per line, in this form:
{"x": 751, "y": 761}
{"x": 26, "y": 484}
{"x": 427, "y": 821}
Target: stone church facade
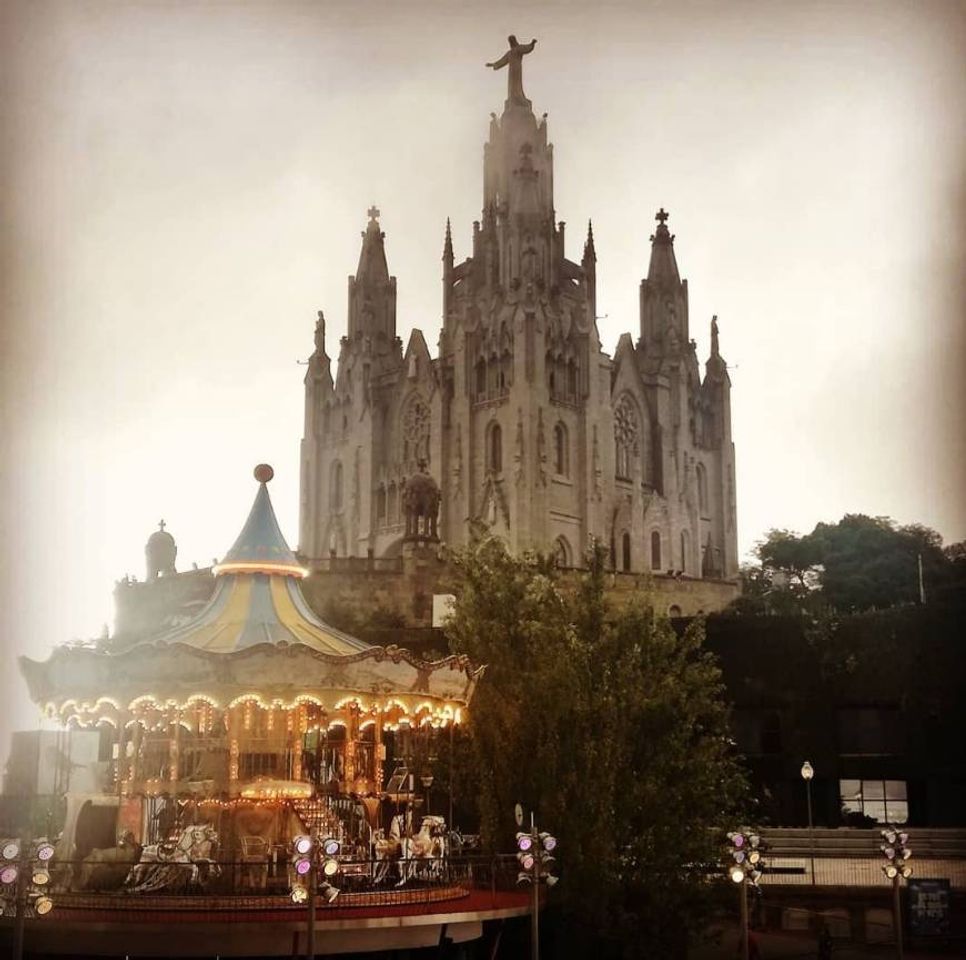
{"x": 523, "y": 421}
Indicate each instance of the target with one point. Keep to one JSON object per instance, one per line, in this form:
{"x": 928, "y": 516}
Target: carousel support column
{"x": 301, "y": 723}
{"x": 351, "y": 742}
{"x": 120, "y": 767}
{"x": 231, "y": 727}
{"x": 174, "y": 749}
{"x": 450, "y": 821}
{"x": 136, "y": 752}
{"x": 378, "y": 752}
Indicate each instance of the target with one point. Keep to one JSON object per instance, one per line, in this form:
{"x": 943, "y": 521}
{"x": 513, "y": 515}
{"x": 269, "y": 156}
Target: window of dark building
{"x": 756, "y": 731}
{"x": 626, "y": 551}
{"x": 885, "y": 801}
{"x": 868, "y": 730}
{"x": 771, "y": 733}
{"x": 655, "y": 550}
{"x": 381, "y": 504}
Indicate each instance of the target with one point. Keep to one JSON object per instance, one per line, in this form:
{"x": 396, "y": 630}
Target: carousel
{"x": 228, "y": 736}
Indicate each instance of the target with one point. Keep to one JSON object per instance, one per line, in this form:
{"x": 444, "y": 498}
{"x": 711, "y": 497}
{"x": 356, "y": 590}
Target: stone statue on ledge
{"x": 420, "y": 501}
{"x": 513, "y": 59}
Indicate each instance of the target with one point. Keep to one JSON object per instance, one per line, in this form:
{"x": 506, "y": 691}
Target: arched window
{"x": 392, "y": 504}
{"x": 674, "y": 611}
{"x": 335, "y": 490}
{"x": 571, "y": 380}
{"x": 626, "y": 551}
{"x": 506, "y": 371}
{"x": 381, "y": 505}
{"x": 625, "y": 437}
{"x": 655, "y": 550}
{"x": 494, "y": 448}
{"x": 685, "y": 549}
{"x": 480, "y": 379}
{"x": 493, "y": 376}
{"x": 415, "y": 432}
{"x": 702, "y": 476}
{"x": 561, "y": 552}
{"x": 561, "y": 451}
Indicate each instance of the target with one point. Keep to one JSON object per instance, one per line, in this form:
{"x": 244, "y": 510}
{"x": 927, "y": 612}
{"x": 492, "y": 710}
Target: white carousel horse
{"x": 428, "y": 845}
{"x": 107, "y": 868}
{"x": 386, "y": 853}
{"x": 185, "y": 863}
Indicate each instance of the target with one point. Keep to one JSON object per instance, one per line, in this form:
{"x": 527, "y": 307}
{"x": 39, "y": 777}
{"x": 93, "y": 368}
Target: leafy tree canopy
{"x": 857, "y": 564}
{"x": 608, "y": 725}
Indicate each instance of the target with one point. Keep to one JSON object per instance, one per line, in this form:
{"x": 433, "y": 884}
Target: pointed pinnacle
{"x": 589, "y": 250}
{"x": 448, "y": 243}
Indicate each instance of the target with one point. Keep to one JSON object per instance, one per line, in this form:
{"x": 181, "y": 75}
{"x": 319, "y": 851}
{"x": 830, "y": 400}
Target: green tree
{"x": 613, "y": 729}
{"x": 856, "y": 564}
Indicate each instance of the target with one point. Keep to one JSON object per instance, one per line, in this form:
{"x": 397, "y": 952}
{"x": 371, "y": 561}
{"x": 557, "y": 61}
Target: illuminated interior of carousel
{"x": 250, "y": 725}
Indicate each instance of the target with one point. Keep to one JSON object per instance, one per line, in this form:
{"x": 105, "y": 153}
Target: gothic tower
{"x": 523, "y": 422}
{"x": 520, "y": 361}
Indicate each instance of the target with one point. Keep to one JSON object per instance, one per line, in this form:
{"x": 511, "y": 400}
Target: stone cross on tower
{"x": 513, "y": 59}
{"x": 373, "y": 212}
{"x": 661, "y": 216}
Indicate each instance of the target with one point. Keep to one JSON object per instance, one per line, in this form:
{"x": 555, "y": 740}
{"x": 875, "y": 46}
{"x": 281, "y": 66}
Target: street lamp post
{"x": 535, "y": 855}
{"x": 896, "y": 869}
{"x": 312, "y": 858}
{"x": 745, "y": 868}
{"x": 807, "y": 773}
{"x": 24, "y": 882}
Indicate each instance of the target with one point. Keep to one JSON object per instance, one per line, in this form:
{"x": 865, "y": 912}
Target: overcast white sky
{"x": 184, "y": 186}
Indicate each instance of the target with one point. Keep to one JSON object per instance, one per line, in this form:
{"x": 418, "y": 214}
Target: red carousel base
{"x": 195, "y": 926}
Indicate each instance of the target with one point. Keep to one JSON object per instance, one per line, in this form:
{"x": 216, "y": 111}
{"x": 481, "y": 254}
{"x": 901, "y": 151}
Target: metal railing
{"x": 265, "y": 883}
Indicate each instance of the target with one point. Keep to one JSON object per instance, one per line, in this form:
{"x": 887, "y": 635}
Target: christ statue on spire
{"x": 513, "y": 58}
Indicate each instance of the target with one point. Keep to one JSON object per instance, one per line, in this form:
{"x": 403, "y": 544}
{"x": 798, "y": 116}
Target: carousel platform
{"x": 265, "y": 924}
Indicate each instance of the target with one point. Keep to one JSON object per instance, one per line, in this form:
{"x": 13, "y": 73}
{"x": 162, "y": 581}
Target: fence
{"x": 263, "y": 883}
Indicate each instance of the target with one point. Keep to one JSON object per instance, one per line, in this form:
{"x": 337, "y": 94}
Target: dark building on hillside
{"x": 874, "y": 702}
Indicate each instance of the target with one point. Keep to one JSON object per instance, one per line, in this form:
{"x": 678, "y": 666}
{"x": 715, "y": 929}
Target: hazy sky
{"x": 184, "y": 185}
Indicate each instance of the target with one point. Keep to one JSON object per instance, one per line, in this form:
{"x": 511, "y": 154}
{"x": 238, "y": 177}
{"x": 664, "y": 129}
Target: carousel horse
{"x": 428, "y": 845}
{"x": 105, "y": 868}
{"x": 184, "y": 863}
{"x": 386, "y": 853}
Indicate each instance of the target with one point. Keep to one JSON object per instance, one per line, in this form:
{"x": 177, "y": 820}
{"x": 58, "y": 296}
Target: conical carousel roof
{"x": 257, "y": 598}
{"x": 255, "y": 638}
{"x": 261, "y": 547}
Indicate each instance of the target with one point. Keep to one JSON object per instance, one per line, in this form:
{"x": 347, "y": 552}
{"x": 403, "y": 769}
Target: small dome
{"x": 422, "y": 483}
{"x": 160, "y": 553}
{"x": 160, "y": 539}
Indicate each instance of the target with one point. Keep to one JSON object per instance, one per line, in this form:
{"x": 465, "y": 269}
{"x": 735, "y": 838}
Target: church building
{"x": 522, "y": 420}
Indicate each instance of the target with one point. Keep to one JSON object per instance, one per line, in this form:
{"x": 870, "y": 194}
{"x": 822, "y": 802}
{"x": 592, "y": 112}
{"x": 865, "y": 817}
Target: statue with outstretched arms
{"x": 513, "y": 59}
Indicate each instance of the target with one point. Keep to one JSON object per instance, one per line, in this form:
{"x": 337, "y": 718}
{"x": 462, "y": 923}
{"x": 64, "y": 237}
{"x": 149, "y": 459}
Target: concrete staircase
{"x": 925, "y": 843}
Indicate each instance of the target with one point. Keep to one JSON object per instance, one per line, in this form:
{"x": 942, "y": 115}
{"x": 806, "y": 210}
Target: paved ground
{"x": 789, "y": 945}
